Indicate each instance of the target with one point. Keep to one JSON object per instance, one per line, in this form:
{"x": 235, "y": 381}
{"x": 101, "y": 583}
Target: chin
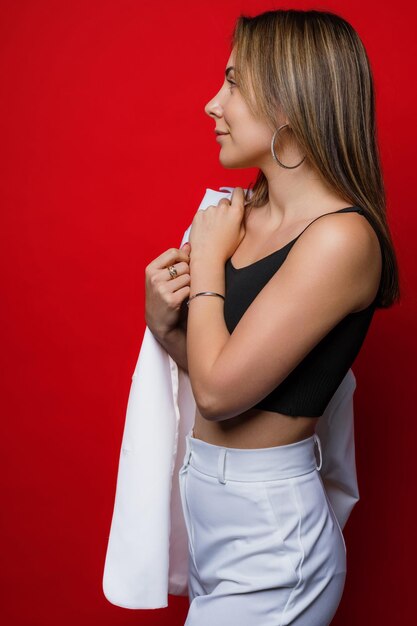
{"x": 231, "y": 163}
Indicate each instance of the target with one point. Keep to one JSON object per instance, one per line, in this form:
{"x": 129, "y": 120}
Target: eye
{"x": 231, "y": 83}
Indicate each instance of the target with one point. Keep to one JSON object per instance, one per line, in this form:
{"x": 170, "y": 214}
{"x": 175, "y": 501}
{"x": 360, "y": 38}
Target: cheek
{"x": 253, "y": 137}
{"x": 235, "y": 111}
{"x": 242, "y": 120}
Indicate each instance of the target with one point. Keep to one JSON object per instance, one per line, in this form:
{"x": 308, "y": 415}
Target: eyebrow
{"x": 228, "y": 69}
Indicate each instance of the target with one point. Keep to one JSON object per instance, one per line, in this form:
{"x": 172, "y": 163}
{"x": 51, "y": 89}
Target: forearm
{"x": 175, "y": 343}
{"x": 207, "y": 332}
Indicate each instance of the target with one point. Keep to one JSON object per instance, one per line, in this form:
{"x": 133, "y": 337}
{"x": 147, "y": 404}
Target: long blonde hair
{"x": 313, "y": 66}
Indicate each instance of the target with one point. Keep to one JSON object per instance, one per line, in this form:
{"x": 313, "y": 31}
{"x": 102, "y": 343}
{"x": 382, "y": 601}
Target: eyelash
{"x": 231, "y": 83}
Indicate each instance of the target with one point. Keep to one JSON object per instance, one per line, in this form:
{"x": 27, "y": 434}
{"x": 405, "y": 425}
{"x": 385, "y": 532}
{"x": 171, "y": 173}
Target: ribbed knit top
{"x": 308, "y": 389}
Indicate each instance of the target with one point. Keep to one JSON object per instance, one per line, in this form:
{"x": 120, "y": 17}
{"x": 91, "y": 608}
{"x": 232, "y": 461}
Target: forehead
{"x": 231, "y": 59}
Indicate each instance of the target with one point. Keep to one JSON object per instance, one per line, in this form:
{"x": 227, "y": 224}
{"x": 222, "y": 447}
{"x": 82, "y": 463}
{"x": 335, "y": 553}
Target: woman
{"x": 267, "y": 349}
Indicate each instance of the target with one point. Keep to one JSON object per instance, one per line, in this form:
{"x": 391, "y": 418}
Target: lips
{"x": 220, "y": 132}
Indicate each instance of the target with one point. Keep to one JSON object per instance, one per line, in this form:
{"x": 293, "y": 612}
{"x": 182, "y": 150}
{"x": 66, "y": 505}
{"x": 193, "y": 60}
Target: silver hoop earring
{"x": 288, "y": 167}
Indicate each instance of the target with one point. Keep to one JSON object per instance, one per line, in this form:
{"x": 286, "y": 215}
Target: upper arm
{"x": 324, "y": 278}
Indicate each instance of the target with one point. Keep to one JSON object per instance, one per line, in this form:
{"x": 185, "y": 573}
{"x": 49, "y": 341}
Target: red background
{"x": 104, "y": 136}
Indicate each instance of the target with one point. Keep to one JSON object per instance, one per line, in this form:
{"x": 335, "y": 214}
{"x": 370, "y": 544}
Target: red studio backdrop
{"x": 105, "y": 155}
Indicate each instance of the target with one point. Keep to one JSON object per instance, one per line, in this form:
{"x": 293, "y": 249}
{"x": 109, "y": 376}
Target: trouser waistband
{"x": 251, "y": 464}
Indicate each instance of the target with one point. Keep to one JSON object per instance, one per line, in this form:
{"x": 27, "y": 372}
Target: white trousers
{"x": 265, "y": 547}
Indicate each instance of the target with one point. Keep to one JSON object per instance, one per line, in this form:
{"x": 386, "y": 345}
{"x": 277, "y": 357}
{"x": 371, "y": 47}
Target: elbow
{"x": 206, "y": 407}
{"x": 207, "y": 403}
{"x": 204, "y": 397}
{"x": 210, "y": 402}
{"x": 213, "y": 410}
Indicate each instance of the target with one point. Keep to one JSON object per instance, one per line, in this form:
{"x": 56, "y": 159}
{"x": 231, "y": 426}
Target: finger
{"x": 238, "y": 197}
{"x": 162, "y": 275}
{"x": 169, "y": 257}
{"x": 177, "y": 283}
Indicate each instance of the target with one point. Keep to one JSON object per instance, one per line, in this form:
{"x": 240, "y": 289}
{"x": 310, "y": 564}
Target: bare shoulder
{"x": 344, "y": 244}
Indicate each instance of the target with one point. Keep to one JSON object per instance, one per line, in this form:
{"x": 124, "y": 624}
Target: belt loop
{"x": 188, "y": 451}
{"x": 221, "y": 466}
{"x": 317, "y": 440}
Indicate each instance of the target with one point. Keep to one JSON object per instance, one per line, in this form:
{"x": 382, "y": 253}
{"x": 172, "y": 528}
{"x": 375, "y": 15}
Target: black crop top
{"x": 309, "y": 387}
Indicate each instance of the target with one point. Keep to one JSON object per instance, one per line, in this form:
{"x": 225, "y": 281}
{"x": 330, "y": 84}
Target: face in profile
{"x": 248, "y": 140}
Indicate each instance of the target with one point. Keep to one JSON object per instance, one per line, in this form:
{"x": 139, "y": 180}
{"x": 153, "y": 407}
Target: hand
{"x": 218, "y": 230}
{"x": 165, "y": 295}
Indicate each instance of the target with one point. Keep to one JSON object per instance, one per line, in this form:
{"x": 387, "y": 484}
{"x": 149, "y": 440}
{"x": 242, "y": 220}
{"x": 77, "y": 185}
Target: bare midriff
{"x": 254, "y": 428}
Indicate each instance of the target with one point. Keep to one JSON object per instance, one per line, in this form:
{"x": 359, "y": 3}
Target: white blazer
{"x": 147, "y": 552}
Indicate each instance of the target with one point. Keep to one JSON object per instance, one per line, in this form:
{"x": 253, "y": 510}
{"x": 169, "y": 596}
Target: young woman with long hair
{"x": 281, "y": 285}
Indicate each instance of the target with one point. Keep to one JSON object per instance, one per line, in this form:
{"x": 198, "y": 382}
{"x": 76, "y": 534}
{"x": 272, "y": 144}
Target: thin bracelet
{"x": 205, "y": 293}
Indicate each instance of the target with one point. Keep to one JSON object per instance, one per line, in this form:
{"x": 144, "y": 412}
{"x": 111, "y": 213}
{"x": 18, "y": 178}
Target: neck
{"x": 298, "y": 194}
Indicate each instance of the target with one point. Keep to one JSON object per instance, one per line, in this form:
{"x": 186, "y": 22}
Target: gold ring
{"x": 172, "y": 271}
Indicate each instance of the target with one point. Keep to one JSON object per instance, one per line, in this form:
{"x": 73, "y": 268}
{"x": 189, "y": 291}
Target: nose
{"x": 214, "y": 108}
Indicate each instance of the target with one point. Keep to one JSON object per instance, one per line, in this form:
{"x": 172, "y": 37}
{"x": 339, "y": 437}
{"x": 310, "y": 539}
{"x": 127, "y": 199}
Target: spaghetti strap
{"x": 346, "y": 209}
